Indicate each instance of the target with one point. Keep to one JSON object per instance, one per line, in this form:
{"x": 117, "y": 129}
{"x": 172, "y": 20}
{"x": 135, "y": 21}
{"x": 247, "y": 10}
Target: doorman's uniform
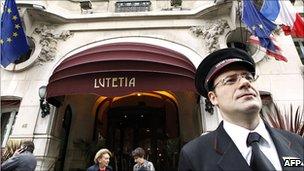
{"x": 216, "y": 151}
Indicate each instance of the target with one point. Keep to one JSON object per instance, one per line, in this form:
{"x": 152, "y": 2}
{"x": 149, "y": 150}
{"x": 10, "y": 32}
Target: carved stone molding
{"x": 211, "y": 32}
{"x": 48, "y": 42}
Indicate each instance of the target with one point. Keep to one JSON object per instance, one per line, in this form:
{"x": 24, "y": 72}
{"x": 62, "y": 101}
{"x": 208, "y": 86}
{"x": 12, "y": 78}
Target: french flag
{"x": 282, "y": 12}
{"x": 276, "y": 54}
{"x": 261, "y": 28}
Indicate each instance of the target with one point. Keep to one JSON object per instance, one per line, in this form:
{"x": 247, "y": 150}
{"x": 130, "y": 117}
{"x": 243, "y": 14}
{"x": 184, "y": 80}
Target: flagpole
{"x": 1, "y": 7}
{"x": 0, "y": 37}
{"x": 240, "y": 18}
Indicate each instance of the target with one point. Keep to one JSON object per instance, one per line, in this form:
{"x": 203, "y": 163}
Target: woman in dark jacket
{"x": 101, "y": 159}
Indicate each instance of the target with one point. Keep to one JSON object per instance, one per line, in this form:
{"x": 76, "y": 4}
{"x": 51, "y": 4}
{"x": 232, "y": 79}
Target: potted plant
{"x": 290, "y": 119}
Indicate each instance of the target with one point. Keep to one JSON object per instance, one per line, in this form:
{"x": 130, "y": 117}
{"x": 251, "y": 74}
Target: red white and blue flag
{"x": 276, "y": 54}
{"x": 262, "y": 28}
{"x": 282, "y": 13}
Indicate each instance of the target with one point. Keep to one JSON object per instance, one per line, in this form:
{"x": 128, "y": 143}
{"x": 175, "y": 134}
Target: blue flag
{"x": 12, "y": 38}
{"x": 258, "y": 25}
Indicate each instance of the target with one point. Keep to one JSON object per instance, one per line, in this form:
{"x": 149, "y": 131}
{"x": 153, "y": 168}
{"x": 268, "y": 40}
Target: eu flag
{"x": 258, "y": 25}
{"x": 12, "y": 38}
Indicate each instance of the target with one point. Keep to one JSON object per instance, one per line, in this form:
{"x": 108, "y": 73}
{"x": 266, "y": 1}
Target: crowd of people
{"x": 18, "y": 156}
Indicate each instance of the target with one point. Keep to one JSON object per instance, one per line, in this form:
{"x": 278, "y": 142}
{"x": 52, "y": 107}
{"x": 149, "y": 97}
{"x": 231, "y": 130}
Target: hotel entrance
{"x": 126, "y": 95}
{"x": 138, "y": 126}
{"x": 148, "y": 120}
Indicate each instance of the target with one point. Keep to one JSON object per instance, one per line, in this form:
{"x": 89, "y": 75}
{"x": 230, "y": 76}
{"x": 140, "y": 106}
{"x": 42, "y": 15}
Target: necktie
{"x": 258, "y": 162}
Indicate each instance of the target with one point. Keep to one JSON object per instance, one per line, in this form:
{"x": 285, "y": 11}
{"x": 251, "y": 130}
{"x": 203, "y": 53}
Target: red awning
{"x": 121, "y": 68}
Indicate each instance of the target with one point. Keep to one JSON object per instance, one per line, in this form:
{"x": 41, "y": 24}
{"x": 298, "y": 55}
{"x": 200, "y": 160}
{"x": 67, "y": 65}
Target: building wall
{"x": 81, "y": 129}
{"x": 283, "y": 79}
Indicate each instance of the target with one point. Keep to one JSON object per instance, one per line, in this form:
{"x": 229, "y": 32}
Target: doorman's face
{"x": 241, "y": 97}
{"x": 104, "y": 160}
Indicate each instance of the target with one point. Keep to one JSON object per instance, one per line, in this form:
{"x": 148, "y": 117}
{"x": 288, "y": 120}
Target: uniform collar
{"x": 239, "y": 134}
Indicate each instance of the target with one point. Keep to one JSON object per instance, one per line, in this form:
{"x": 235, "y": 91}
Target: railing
{"x": 132, "y": 6}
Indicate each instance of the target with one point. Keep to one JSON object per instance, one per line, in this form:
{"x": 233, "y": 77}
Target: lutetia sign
{"x": 113, "y": 82}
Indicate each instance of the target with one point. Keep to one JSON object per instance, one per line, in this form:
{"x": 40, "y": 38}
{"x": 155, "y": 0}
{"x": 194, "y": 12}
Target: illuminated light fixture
{"x": 44, "y": 105}
{"x": 138, "y": 94}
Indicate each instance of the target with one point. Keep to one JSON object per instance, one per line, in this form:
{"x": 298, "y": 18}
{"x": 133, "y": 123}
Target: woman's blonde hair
{"x": 100, "y": 153}
{"x": 10, "y": 148}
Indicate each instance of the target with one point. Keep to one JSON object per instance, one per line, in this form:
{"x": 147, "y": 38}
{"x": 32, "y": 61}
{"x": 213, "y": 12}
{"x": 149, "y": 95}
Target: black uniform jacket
{"x": 216, "y": 151}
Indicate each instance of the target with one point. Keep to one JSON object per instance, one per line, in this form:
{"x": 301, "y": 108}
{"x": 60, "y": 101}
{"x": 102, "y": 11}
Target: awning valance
{"x": 121, "y": 68}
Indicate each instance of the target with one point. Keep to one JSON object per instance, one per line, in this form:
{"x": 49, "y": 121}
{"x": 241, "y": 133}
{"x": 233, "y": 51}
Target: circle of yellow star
{"x": 9, "y": 40}
{"x": 15, "y": 17}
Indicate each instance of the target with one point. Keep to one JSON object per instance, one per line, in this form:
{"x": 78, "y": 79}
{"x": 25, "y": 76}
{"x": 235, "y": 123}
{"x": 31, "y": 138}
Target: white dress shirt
{"x": 239, "y": 135}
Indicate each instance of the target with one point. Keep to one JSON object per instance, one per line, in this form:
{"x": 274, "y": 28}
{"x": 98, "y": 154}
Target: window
{"x": 7, "y": 121}
{"x": 9, "y": 110}
{"x": 26, "y": 56}
{"x": 238, "y": 38}
{"x": 4, "y": 121}
{"x": 299, "y": 43}
{"x": 132, "y": 6}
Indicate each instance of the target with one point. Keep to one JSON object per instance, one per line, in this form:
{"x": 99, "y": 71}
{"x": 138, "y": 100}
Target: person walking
{"x": 22, "y": 160}
{"x": 242, "y": 141}
{"x": 141, "y": 163}
{"x": 11, "y": 146}
{"x": 101, "y": 159}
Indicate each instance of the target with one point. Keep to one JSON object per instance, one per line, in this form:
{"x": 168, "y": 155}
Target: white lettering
{"x": 298, "y": 162}
{"x": 108, "y": 82}
{"x": 113, "y": 82}
{"x": 95, "y": 83}
{"x": 286, "y": 163}
{"x": 126, "y": 82}
{"x": 120, "y": 81}
{"x": 132, "y": 82}
{"x": 103, "y": 82}
{"x": 292, "y": 162}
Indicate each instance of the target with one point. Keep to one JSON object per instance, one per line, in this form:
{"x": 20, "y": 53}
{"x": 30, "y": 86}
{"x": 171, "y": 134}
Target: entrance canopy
{"x": 121, "y": 68}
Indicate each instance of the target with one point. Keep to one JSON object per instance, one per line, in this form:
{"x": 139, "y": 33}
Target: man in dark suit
{"x": 22, "y": 160}
{"x": 242, "y": 140}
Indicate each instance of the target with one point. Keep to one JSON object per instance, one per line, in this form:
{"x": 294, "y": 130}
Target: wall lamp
{"x": 44, "y": 105}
